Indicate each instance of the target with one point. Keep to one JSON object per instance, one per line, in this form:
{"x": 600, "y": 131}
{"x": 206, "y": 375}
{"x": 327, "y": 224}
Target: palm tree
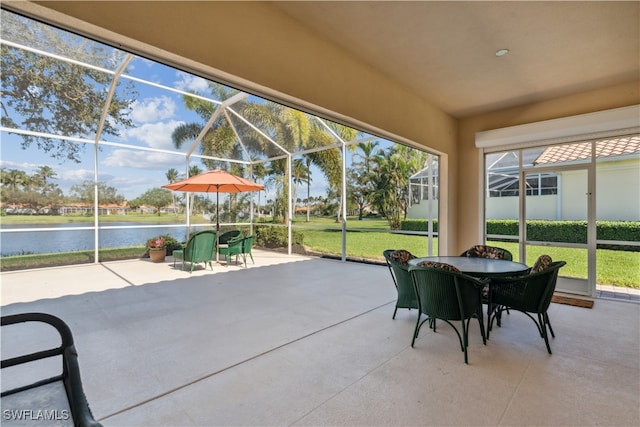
{"x": 291, "y": 129}
{"x": 307, "y": 160}
{"x": 259, "y": 173}
{"x": 193, "y": 171}
{"x": 367, "y": 156}
{"x": 43, "y": 174}
{"x": 363, "y": 172}
{"x": 391, "y": 193}
{"x": 299, "y": 174}
{"x": 172, "y": 176}
{"x": 276, "y": 181}
{"x": 219, "y": 138}
{"x": 15, "y": 178}
{"x": 330, "y": 161}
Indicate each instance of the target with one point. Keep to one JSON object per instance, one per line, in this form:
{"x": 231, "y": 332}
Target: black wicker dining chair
{"x": 485, "y": 251}
{"x": 447, "y": 294}
{"x": 529, "y": 294}
{"x": 397, "y": 261}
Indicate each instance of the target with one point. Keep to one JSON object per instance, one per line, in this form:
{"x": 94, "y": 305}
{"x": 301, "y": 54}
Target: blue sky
{"x": 156, "y": 112}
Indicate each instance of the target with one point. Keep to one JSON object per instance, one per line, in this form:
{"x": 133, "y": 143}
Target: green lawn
{"x": 23, "y": 262}
{"x": 618, "y": 268}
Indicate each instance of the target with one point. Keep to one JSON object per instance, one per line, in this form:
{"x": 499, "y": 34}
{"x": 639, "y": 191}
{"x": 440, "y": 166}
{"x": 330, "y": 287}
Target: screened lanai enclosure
{"x": 90, "y": 133}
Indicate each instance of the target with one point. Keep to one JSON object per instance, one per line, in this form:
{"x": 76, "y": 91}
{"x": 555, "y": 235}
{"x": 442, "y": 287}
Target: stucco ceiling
{"x": 446, "y": 51}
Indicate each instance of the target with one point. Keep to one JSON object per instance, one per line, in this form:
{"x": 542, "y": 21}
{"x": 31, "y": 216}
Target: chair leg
{"x": 542, "y": 327}
{"x": 465, "y": 339}
{"x": 497, "y": 316}
{"x": 394, "y": 312}
{"x": 481, "y": 322}
{"x": 548, "y": 323}
{"x": 417, "y": 330}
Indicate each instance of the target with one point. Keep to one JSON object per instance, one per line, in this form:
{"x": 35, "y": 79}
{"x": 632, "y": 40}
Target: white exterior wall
{"x": 502, "y": 207}
{"x": 538, "y": 207}
{"x": 617, "y": 197}
{"x": 572, "y": 186}
{"x": 542, "y": 207}
{"x": 618, "y": 191}
{"x": 419, "y": 210}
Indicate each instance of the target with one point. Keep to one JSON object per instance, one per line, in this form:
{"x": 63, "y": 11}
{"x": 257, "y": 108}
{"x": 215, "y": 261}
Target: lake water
{"x": 37, "y": 242}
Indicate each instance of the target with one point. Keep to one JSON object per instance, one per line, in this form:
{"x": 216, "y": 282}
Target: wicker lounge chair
{"x": 484, "y": 251}
{"x": 397, "y": 261}
{"x": 447, "y": 294}
{"x": 200, "y": 248}
{"x": 529, "y": 294}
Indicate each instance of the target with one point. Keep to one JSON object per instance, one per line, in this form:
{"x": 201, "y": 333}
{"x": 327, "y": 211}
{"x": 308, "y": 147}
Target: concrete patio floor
{"x": 296, "y": 340}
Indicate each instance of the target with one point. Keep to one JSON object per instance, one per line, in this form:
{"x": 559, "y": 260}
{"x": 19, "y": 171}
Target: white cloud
{"x": 154, "y": 135}
{"x": 24, "y": 166}
{"x": 189, "y": 82}
{"x": 74, "y": 176}
{"x": 139, "y": 159}
{"x": 153, "y": 109}
{"x": 133, "y": 187}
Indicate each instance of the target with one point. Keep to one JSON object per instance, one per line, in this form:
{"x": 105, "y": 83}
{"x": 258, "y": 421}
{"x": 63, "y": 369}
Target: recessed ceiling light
{"x": 502, "y": 52}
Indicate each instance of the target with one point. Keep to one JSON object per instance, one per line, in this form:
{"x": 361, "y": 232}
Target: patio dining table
{"x": 478, "y": 267}
{"x": 483, "y": 268}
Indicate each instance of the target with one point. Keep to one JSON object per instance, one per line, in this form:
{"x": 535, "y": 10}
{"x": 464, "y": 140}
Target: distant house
{"x": 172, "y": 209}
{"x": 558, "y": 196}
{"x": 424, "y": 192}
{"x": 146, "y": 210}
{"x": 17, "y": 209}
{"x": 88, "y": 208}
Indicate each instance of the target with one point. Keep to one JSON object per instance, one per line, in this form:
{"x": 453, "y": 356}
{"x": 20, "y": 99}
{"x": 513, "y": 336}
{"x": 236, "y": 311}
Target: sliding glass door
{"x": 557, "y": 220}
{"x": 541, "y": 200}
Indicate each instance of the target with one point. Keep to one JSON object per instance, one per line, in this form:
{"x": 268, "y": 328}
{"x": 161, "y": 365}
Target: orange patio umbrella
{"x": 217, "y": 181}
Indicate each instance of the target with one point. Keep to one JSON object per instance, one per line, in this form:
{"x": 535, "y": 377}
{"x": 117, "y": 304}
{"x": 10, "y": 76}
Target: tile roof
{"x": 612, "y": 147}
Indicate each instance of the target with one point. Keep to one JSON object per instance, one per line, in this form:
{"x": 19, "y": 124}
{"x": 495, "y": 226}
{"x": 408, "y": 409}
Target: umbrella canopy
{"x": 215, "y": 181}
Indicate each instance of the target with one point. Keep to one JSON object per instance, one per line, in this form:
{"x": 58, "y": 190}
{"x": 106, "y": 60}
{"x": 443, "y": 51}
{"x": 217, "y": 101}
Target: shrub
{"x": 553, "y": 231}
{"x": 275, "y": 237}
{"x": 169, "y": 242}
{"x": 417, "y": 225}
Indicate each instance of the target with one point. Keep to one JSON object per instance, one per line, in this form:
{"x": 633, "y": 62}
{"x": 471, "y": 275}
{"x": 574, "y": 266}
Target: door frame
{"x": 591, "y": 245}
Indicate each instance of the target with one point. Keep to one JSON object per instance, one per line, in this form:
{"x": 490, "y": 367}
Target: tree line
{"x": 34, "y": 192}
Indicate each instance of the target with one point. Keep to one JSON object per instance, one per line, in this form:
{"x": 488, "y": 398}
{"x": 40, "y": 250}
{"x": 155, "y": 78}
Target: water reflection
{"x": 38, "y": 242}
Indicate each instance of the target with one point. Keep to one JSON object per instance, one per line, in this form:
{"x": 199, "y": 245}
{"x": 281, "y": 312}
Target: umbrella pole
{"x": 217, "y": 226}
{"x": 217, "y": 212}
